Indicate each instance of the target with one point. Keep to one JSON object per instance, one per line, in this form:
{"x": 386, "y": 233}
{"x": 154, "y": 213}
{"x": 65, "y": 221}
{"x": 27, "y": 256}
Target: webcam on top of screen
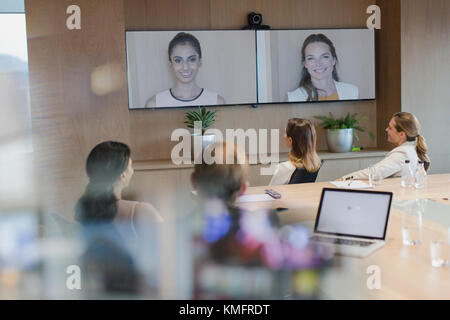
{"x": 255, "y": 22}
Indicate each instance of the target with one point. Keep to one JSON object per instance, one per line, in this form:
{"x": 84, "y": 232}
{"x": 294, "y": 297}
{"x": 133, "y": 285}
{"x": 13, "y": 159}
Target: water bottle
{"x": 421, "y": 176}
{"x": 407, "y": 175}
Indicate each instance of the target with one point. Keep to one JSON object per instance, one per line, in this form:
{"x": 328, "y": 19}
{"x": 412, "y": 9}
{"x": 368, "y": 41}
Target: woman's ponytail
{"x": 98, "y": 204}
{"x": 422, "y": 149}
{"x": 104, "y": 165}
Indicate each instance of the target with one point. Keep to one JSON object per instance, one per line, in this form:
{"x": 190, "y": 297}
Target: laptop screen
{"x": 353, "y": 213}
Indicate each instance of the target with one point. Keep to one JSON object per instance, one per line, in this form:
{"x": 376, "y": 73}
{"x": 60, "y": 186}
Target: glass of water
{"x": 440, "y": 248}
{"x": 374, "y": 176}
{"x": 412, "y": 224}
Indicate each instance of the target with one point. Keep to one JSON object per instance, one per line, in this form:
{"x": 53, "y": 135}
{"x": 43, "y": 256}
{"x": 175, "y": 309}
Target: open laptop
{"x": 355, "y": 221}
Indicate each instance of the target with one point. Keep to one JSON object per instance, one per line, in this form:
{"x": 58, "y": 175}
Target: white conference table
{"x": 405, "y": 271}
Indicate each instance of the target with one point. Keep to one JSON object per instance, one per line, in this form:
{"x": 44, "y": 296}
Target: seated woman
{"x": 403, "y": 132}
{"x": 319, "y": 79}
{"x": 109, "y": 168}
{"x": 218, "y": 185}
{"x": 222, "y": 181}
{"x": 300, "y": 137}
{"x": 185, "y": 57}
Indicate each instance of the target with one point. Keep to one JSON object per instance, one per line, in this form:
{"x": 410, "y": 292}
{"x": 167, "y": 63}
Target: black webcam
{"x": 255, "y": 21}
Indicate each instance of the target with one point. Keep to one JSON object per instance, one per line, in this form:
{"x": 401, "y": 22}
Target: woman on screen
{"x": 319, "y": 78}
{"x": 185, "y": 58}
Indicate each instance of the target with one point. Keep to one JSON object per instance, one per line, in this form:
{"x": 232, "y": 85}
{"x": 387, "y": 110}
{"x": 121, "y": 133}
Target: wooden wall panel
{"x": 78, "y": 92}
{"x": 388, "y": 67}
{"x": 426, "y": 73}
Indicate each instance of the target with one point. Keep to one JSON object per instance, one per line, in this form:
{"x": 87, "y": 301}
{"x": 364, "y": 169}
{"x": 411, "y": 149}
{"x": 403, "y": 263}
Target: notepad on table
{"x": 255, "y": 198}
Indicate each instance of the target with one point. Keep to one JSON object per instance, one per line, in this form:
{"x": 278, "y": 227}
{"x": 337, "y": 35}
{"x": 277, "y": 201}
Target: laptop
{"x": 354, "y": 221}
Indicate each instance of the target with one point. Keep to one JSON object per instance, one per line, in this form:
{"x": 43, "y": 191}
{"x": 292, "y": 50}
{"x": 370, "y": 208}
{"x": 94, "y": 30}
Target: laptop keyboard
{"x": 342, "y": 241}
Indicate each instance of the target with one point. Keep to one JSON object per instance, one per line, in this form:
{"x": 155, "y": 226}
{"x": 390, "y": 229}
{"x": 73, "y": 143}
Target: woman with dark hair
{"x": 300, "y": 138}
{"x": 404, "y": 132}
{"x": 319, "y": 78}
{"x": 109, "y": 168}
{"x": 185, "y": 56}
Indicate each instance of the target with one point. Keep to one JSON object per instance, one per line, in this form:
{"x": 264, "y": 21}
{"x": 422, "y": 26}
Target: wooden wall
{"x": 78, "y": 78}
{"x": 388, "y": 63}
{"x": 426, "y": 73}
{"x": 68, "y": 118}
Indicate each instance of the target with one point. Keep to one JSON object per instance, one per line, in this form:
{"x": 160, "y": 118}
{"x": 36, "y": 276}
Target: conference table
{"x": 404, "y": 272}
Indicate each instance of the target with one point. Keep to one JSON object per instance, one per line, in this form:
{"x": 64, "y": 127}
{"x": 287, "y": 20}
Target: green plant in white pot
{"x": 341, "y": 131}
{"x": 206, "y": 118}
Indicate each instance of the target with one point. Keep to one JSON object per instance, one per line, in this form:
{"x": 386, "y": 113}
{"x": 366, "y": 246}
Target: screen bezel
{"x": 257, "y": 103}
{"x": 390, "y": 194}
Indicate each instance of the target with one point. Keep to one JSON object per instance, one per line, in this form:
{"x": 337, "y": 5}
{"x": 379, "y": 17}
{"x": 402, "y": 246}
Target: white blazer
{"x": 282, "y": 173}
{"x": 392, "y": 164}
{"x": 345, "y": 91}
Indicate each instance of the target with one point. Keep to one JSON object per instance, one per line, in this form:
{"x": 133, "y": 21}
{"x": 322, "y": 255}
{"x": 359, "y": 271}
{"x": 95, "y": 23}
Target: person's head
{"x": 108, "y": 167}
{"x": 225, "y": 181}
{"x": 403, "y": 127}
{"x": 300, "y": 137}
{"x": 185, "y": 56}
{"x": 319, "y": 61}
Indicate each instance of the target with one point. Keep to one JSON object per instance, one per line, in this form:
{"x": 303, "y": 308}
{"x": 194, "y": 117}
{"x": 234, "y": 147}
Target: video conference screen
{"x": 232, "y": 67}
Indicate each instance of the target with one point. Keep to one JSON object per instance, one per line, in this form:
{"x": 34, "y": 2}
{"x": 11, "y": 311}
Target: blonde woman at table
{"x": 404, "y": 132}
{"x": 300, "y": 138}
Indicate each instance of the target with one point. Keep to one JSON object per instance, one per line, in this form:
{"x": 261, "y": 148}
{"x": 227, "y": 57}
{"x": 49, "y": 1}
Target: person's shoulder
{"x": 346, "y": 91}
{"x": 298, "y": 94}
{"x": 401, "y": 151}
{"x": 151, "y": 102}
{"x": 347, "y": 86}
{"x": 146, "y": 211}
{"x": 287, "y": 165}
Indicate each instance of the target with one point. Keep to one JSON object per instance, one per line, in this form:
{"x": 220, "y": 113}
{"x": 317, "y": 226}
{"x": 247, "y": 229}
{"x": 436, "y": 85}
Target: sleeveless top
{"x": 125, "y": 217}
{"x": 167, "y": 99}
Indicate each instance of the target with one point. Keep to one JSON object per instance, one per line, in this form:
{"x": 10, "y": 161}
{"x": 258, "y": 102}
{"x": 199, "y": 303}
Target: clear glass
{"x": 412, "y": 224}
{"x": 375, "y": 177}
{"x": 421, "y": 177}
{"x": 440, "y": 253}
{"x": 440, "y": 247}
{"x": 407, "y": 176}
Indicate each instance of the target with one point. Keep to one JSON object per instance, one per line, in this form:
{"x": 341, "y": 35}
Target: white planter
{"x": 340, "y": 140}
{"x": 207, "y": 139}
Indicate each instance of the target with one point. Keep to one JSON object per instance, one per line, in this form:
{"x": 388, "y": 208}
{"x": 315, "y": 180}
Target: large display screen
{"x": 232, "y": 67}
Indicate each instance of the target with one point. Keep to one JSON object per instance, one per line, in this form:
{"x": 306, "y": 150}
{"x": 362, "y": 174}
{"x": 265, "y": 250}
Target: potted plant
{"x": 207, "y": 118}
{"x": 341, "y": 131}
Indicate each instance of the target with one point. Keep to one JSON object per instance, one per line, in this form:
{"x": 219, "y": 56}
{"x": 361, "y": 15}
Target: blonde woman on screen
{"x": 402, "y": 131}
{"x": 185, "y": 58}
{"x": 319, "y": 78}
{"x": 300, "y": 137}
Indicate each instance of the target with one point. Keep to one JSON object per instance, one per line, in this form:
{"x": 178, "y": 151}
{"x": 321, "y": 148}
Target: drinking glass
{"x": 440, "y": 248}
{"x": 375, "y": 177}
{"x": 412, "y": 224}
